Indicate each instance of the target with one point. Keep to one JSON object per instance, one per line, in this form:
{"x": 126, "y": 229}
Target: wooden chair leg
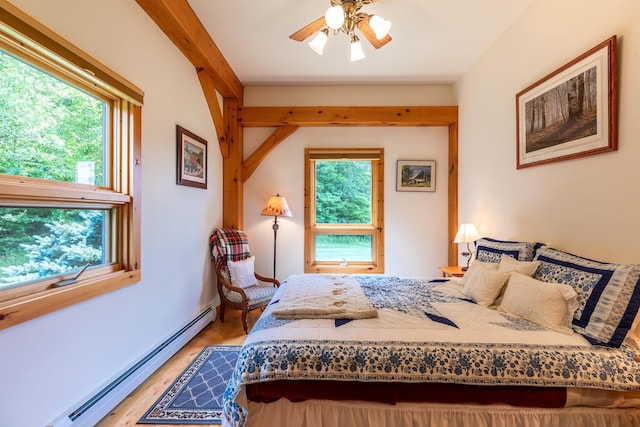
{"x": 222, "y": 312}
{"x": 244, "y": 319}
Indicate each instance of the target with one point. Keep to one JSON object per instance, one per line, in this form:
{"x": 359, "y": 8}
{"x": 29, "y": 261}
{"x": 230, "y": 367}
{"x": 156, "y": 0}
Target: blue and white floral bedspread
{"x": 427, "y": 331}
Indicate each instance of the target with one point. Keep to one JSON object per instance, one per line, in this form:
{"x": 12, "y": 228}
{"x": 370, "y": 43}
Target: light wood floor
{"x": 137, "y": 403}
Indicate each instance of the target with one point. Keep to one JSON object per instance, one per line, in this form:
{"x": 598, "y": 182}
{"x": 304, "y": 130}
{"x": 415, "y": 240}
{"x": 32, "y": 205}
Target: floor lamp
{"x": 276, "y": 206}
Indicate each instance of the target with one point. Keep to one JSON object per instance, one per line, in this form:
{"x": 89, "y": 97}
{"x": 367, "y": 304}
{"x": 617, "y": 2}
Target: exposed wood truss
{"x": 293, "y": 117}
{"x": 182, "y": 26}
{"x": 348, "y": 116}
{"x": 280, "y": 134}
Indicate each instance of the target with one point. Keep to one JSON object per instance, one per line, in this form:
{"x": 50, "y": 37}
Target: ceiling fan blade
{"x": 306, "y": 31}
{"x": 370, "y": 35}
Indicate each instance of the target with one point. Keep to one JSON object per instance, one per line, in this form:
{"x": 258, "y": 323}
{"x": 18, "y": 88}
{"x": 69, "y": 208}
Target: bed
{"x": 530, "y": 336}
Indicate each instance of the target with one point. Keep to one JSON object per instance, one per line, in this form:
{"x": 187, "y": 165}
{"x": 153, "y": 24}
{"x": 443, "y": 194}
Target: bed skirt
{"x": 314, "y": 413}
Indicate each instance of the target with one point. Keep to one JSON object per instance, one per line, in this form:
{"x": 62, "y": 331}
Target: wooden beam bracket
{"x": 280, "y": 134}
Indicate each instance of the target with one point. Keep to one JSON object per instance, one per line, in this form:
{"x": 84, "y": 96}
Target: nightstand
{"x": 451, "y": 271}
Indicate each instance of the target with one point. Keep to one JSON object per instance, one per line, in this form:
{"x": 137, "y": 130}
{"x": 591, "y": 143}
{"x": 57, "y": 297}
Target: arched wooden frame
{"x": 182, "y": 26}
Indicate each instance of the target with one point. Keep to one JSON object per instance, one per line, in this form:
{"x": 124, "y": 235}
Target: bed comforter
{"x": 426, "y": 331}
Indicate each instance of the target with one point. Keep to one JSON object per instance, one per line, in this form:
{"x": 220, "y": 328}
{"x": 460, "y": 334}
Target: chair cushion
{"x": 257, "y": 295}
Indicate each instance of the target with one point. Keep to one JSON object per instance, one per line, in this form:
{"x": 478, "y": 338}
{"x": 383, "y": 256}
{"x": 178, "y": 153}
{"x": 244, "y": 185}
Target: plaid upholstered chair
{"x": 239, "y": 286}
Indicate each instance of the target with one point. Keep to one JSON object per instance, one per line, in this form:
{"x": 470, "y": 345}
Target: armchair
{"x": 239, "y": 286}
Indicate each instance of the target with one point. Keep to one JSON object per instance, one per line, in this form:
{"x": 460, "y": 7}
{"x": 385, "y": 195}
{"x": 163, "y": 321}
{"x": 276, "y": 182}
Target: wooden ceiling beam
{"x": 348, "y": 116}
{"x": 180, "y": 23}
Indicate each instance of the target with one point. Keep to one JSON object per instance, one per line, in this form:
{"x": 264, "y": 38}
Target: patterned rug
{"x": 196, "y": 395}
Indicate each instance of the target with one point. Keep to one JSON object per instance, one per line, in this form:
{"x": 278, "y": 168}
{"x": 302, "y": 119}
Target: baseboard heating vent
{"x": 92, "y": 410}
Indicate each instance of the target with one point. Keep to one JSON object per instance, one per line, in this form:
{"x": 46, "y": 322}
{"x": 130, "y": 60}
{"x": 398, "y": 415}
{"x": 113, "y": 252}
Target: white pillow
{"x": 509, "y": 263}
{"x": 551, "y": 305}
{"x": 483, "y": 285}
{"x": 475, "y": 265}
{"x": 241, "y": 272}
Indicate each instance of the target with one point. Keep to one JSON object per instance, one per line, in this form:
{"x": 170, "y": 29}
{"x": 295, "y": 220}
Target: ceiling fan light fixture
{"x": 334, "y": 17}
{"x": 356, "y": 49}
{"x": 344, "y": 16}
{"x": 319, "y": 41}
{"x": 380, "y": 26}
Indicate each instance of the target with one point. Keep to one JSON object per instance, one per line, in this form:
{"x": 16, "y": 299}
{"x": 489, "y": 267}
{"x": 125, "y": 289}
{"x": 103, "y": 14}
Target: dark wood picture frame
{"x": 192, "y": 159}
{"x": 571, "y": 112}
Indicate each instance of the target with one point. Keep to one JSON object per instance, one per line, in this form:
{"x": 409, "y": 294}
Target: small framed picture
{"x": 416, "y": 175}
{"x": 192, "y": 159}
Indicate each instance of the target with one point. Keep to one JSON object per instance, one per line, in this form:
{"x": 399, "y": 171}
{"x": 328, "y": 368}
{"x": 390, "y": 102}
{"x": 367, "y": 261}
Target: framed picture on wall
{"x": 571, "y": 112}
{"x": 416, "y": 175}
{"x": 192, "y": 159}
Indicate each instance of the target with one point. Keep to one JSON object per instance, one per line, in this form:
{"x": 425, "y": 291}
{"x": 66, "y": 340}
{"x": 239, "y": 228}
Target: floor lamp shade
{"x": 276, "y": 206}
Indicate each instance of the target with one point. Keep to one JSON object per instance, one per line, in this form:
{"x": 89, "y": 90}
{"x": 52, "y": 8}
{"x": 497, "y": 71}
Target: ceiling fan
{"x": 345, "y": 16}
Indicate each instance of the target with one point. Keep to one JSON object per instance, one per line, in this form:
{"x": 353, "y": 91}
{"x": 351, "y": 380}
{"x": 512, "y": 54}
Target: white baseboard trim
{"x": 91, "y": 410}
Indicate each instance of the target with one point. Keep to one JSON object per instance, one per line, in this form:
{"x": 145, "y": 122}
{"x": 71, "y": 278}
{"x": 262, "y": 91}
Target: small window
{"x": 69, "y": 132}
{"x": 344, "y": 216}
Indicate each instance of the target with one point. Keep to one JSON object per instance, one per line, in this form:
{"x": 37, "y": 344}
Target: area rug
{"x": 195, "y": 397}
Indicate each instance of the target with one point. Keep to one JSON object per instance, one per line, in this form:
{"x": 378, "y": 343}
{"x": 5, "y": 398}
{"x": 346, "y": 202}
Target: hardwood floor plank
{"x": 129, "y": 411}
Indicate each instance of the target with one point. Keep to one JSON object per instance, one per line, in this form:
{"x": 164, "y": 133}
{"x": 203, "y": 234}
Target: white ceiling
{"x": 434, "y": 41}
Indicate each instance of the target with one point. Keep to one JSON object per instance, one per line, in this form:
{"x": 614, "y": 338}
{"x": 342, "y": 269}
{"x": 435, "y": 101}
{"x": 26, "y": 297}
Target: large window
{"x": 344, "y": 211}
{"x": 69, "y": 195}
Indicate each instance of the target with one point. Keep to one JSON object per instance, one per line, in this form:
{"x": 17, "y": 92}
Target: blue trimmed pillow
{"x": 490, "y": 250}
{"x": 608, "y": 294}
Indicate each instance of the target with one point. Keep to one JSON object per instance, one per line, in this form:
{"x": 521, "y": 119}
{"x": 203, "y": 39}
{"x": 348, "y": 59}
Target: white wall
{"x": 415, "y": 223}
{"x": 52, "y": 362}
{"x": 589, "y": 206}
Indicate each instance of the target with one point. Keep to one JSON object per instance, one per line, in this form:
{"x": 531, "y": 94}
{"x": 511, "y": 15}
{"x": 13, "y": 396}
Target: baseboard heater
{"x": 91, "y": 411}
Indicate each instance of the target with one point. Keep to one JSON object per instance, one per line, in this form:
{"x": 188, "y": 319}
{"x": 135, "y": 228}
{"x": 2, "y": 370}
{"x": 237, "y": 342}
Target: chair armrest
{"x": 275, "y": 282}
{"x": 223, "y": 282}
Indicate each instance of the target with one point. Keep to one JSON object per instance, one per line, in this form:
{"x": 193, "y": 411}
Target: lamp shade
{"x": 334, "y": 17}
{"x": 380, "y": 26}
{"x": 466, "y": 233}
{"x": 276, "y": 206}
{"x": 356, "y": 51}
{"x": 318, "y": 42}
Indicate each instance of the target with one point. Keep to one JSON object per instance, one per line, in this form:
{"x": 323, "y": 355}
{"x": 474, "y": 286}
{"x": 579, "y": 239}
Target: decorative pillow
{"x": 508, "y": 263}
{"x": 548, "y": 304}
{"x": 633, "y": 337}
{"x": 477, "y": 265}
{"x": 483, "y": 285}
{"x": 490, "y": 250}
{"x": 608, "y": 294}
{"x": 241, "y": 272}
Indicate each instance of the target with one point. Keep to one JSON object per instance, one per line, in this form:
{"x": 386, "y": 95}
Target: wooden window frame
{"x": 31, "y": 41}
{"x": 375, "y": 229}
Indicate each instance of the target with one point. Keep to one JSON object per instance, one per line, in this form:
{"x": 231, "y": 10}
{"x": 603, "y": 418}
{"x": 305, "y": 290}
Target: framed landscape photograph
{"x": 571, "y": 112}
{"x": 416, "y": 175}
{"x": 192, "y": 159}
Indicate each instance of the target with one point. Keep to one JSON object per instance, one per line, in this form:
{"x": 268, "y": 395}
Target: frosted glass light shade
{"x": 334, "y": 17}
{"x": 356, "y": 51}
{"x": 318, "y": 42}
{"x": 380, "y": 26}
